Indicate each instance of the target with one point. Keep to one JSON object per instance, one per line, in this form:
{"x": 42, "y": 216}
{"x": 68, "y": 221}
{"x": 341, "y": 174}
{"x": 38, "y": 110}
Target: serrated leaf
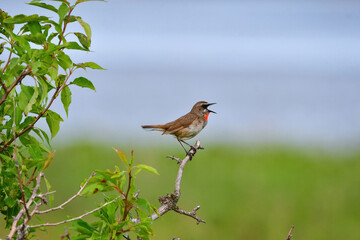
{"x": 85, "y": 26}
{"x": 23, "y": 18}
{"x": 121, "y": 155}
{"x": 64, "y": 60}
{"x": 44, "y": 5}
{"x": 66, "y": 98}
{"x": 34, "y": 27}
{"x": 37, "y": 38}
{"x": 45, "y": 136}
{"x": 31, "y": 101}
{"x": 18, "y": 116}
{"x": 62, "y": 11}
{"x": 27, "y": 121}
{"x": 147, "y": 168}
{"x": 48, "y": 160}
{"x": 35, "y": 152}
{"x": 143, "y": 204}
{"x": 83, "y": 39}
{"x": 53, "y": 120}
{"x": 75, "y": 45}
{"x": 90, "y": 65}
{"x": 83, "y": 82}
{"x": 21, "y": 40}
{"x": 49, "y": 189}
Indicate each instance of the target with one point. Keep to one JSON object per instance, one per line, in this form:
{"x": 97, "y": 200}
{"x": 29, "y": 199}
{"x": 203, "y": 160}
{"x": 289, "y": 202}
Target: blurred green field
{"x": 245, "y": 192}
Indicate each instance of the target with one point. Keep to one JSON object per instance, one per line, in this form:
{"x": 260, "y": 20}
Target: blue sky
{"x": 280, "y": 71}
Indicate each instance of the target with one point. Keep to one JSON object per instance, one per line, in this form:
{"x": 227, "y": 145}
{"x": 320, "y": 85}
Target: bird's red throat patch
{"x": 206, "y": 116}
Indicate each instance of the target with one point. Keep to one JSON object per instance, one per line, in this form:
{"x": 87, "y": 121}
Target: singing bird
{"x": 187, "y": 126}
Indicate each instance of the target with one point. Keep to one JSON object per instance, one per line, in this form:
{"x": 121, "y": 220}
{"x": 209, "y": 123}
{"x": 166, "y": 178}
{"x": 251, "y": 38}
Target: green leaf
{"x": 85, "y": 26}
{"x": 63, "y": 10}
{"x": 31, "y": 101}
{"x": 45, "y": 136}
{"x": 44, "y": 5}
{"x": 35, "y": 152}
{"x": 89, "y": 65}
{"x": 22, "y": 42}
{"x": 143, "y": 204}
{"x": 18, "y": 116}
{"x": 75, "y": 45}
{"x": 44, "y": 89}
{"x": 147, "y": 168}
{"x": 121, "y": 155}
{"x": 28, "y": 120}
{"x": 49, "y": 189}
{"x": 53, "y": 120}
{"x": 64, "y": 60}
{"x": 37, "y": 38}
{"x": 84, "y": 40}
{"x": 83, "y": 82}
{"x": 34, "y": 27}
{"x": 66, "y": 98}
{"x": 49, "y": 158}
{"x": 23, "y": 19}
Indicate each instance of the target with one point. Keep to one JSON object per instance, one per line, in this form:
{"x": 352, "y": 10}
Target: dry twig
{"x": 289, "y": 235}
{"x": 61, "y": 206}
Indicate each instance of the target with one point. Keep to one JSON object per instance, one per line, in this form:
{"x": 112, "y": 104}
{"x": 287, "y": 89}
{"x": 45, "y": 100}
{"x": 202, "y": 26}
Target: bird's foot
{"x": 191, "y": 152}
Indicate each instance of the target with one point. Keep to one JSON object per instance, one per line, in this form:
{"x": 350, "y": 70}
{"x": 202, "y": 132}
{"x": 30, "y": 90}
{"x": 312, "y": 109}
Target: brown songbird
{"x": 187, "y": 126}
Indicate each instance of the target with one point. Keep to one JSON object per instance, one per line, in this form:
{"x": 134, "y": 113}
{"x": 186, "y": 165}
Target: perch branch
{"x": 61, "y": 206}
{"x": 169, "y": 202}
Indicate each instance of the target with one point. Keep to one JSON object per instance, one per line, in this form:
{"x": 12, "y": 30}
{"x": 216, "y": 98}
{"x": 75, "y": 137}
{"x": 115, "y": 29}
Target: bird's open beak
{"x": 209, "y": 104}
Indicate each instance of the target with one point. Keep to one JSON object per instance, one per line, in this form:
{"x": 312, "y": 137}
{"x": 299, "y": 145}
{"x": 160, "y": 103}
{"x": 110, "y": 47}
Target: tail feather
{"x": 153, "y": 127}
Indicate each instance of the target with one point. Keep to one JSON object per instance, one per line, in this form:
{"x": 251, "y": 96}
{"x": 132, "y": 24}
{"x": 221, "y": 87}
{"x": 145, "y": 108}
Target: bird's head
{"x": 201, "y": 108}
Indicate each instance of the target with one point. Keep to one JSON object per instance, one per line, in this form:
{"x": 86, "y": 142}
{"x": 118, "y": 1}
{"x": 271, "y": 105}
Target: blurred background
{"x": 283, "y": 148}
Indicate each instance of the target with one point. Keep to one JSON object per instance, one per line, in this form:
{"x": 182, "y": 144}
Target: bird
{"x": 187, "y": 126}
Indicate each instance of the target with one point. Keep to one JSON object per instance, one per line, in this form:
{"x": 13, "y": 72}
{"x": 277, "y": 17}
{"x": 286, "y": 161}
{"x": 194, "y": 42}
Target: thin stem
{"x": 22, "y": 75}
{"x": 76, "y": 218}
{"x": 9, "y": 58}
{"x": 61, "y": 206}
{"x": 289, "y": 235}
{"x": 65, "y": 24}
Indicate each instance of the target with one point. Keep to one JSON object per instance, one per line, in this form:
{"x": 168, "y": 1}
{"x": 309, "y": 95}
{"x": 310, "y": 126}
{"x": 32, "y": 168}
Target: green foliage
{"x": 115, "y": 219}
{"x": 36, "y": 73}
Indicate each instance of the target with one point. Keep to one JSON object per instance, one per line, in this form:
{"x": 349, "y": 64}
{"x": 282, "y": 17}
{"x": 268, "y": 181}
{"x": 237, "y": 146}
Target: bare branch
{"x": 76, "y": 218}
{"x": 66, "y": 235}
{"x": 289, "y": 235}
{"x": 178, "y": 160}
{"x": 188, "y": 157}
{"x": 23, "y": 200}
{"x": 14, "y": 227}
{"x": 190, "y": 214}
{"x": 61, "y": 206}
{"x": 169, "y": 202}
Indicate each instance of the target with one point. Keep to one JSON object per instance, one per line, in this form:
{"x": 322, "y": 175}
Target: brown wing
{"x": 179, "y": 124}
